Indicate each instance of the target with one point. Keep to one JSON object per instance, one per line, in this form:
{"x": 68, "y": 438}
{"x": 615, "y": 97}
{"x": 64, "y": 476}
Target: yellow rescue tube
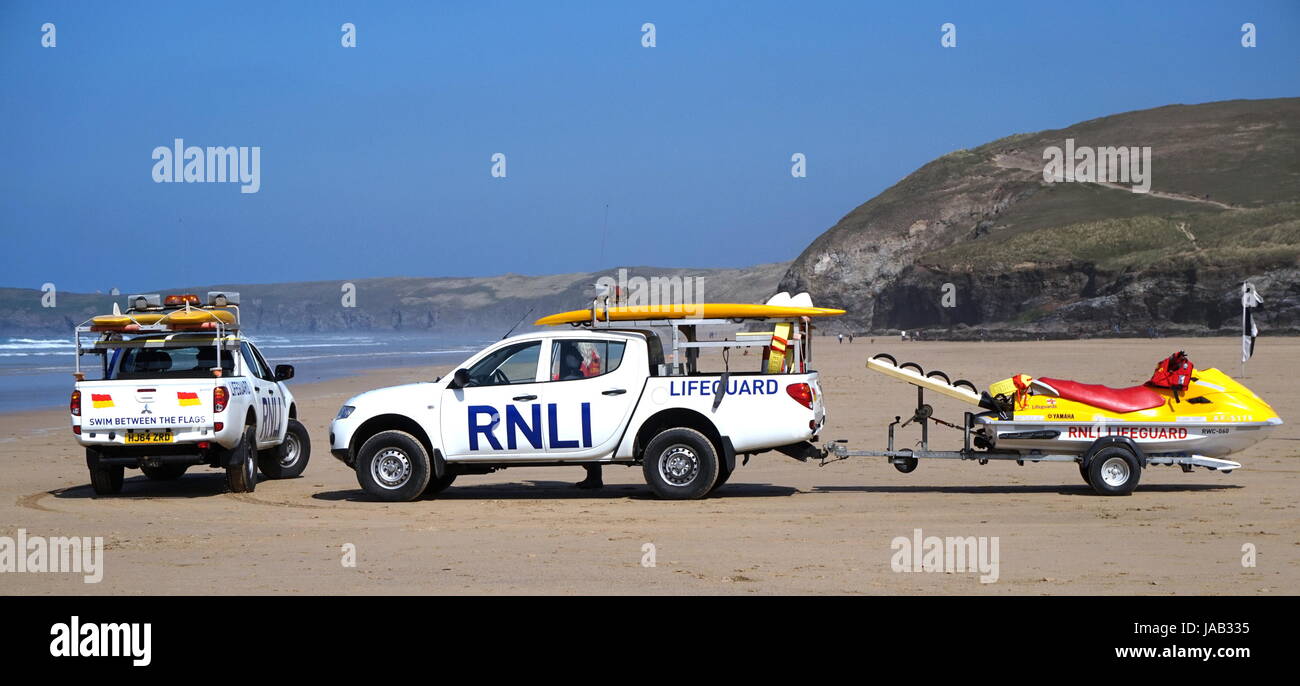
{"x": 186, "y": 319}
{"x": 122, "y": 322}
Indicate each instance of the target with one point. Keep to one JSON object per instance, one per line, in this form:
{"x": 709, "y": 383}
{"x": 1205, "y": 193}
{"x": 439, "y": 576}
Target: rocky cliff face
{"x": 976, "y": 243}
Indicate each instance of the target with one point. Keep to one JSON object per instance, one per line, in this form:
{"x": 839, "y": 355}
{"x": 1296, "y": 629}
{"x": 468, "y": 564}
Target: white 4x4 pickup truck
{"x": 600, "y": 396}
{"x": 180, "y": 387}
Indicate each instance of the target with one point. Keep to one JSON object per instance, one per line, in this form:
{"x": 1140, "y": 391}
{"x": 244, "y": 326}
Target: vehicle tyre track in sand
{"x": 33, "y": 501}
{"x": 247, "y": 498}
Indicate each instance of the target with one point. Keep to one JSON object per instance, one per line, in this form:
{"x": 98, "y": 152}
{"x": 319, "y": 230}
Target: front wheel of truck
{"x": 241, "y": 468}
{"x": 680, "y": 464}
{"x": 104, "y": 479}
{"x": 289, "y": 459}
{"x": 393, "y": 466}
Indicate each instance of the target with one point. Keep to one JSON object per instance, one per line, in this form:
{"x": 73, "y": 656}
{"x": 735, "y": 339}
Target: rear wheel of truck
{"x": 288, "y": 459}
{"x": 105, "y": 479}
{"x": 1114, "y": 470}
{"x": 165, "y": 472}
{"x": 241, "y": 469}
{"x": 723, "y": 475}
{"x": 394, "y": 466}
{"x": 680, "y": 464}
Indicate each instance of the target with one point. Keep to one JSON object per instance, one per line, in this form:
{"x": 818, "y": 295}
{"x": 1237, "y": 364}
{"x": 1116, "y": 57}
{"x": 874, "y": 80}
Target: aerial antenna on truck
{"x": 521, "y": 321}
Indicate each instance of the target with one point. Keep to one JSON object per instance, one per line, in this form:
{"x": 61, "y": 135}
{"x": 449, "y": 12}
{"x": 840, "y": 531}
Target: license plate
{"x": 149, "y": 437}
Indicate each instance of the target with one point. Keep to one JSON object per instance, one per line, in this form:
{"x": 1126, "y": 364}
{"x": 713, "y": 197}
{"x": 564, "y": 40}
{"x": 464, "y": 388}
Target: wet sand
{"x": 779, "y": 526}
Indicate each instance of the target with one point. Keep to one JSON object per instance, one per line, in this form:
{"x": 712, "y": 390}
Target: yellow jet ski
{"x": 1181, "y": 416}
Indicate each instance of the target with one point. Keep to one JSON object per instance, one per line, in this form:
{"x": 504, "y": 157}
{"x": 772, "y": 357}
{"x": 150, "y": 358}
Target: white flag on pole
{"x": 1249, "y": 299}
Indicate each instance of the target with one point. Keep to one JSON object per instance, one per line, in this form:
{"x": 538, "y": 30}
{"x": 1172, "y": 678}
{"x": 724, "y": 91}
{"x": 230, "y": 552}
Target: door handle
{"x": 524, "y": 398}
{"x": 614, "y": 391}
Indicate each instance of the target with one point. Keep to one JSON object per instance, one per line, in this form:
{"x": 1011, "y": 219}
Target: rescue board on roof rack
{"x": 628, "y": 313}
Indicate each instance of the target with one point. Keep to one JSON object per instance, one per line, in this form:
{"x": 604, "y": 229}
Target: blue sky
{"x": 375, "y": 160}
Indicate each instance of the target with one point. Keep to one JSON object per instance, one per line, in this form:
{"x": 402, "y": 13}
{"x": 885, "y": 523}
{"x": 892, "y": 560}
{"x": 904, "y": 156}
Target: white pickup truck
{"x": 572, "y": 397}
{"x": 178, "y": 387}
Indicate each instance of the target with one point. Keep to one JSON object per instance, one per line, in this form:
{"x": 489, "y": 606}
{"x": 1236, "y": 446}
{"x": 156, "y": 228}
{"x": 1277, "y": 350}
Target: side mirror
{"x": 459, "y": 379}
{"x": 283, "y": 372}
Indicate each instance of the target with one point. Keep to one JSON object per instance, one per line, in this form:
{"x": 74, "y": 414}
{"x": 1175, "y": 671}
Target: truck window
{"x": 512, "y": 364}
{"x": 194, "y": 361}
{"x": 577, "y": 359}
{"x": 254, "y": 366}
{"x": 261, "y": 362}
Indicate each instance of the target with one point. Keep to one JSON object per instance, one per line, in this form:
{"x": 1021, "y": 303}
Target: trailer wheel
{"x": 104, "y": 479}
{"x": 393, "y": 466}
{"x": 165, "y": 472}
{"x": 1083, "y": 472}
{"x": 680, "y": 464}
{"x": 241, "y": 468}
{"x": 288, "y": 459}
{"x": 1114, "y": 470}
{"x": 906, "y": 465}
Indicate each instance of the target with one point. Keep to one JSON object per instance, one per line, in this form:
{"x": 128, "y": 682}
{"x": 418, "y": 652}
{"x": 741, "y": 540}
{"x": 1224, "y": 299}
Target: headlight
{"x": 345, "y": 412}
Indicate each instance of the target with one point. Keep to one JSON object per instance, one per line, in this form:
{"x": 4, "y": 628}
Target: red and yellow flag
{"x": 101, "y": 400}
{"x": 184, "y": 398}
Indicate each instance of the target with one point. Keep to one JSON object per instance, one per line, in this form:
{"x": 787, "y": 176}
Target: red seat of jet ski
{"x": 1114, "y": 399}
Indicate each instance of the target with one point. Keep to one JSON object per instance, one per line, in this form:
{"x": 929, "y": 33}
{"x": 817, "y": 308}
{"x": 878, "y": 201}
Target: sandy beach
{"x": 779, "y": 526}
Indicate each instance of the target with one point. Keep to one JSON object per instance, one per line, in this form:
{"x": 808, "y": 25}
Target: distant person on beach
{"x": 850, "y": 338}
{"x": 841, "y": 338}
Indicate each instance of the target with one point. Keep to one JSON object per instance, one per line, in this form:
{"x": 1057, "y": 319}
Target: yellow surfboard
{"x": 701, "y": 311}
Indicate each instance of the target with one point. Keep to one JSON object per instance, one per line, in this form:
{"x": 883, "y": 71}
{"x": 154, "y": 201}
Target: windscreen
{"x": 173, "y": 362}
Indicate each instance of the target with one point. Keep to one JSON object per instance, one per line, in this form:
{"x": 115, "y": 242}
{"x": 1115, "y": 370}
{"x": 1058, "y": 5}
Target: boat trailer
{"x": 976, "y": 446}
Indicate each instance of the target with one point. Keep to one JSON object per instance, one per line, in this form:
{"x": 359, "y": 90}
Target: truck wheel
{"x": 104, "y": 479}
{"x": 241, "y": 469}
{"x": 393, "y": 466}
{"x": 1114, "y": 470}
{"x": 1083, "y": 472}
{"x": 680, "y": 464}
{"x": 723, "y": 475}
{"x": 437, "y": 485}
{"x": 165, "y": 472}
{"x": 288, "y": 459}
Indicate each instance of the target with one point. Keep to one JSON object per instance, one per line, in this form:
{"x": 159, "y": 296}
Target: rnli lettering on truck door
{"x": 523, "y": 428}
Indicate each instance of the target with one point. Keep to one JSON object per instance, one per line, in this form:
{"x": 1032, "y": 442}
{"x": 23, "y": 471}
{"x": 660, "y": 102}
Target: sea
{"x": 36, "y": 372}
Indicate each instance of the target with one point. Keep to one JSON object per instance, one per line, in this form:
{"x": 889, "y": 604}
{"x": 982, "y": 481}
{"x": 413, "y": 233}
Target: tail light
{"x": 220, "y": 396}
{"x": 74, "y": 405}
{"x": 218, "y": 427}
{"x": 802, "y": 394}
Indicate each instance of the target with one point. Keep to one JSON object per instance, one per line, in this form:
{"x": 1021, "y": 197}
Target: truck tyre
{"x": 393, "y": 466}
{"x": 1083, "y": 472}
{"x": 104, "y": 479}
{"x": 289, "y": 459}
{"x": 1114, "y": 470}
{"x": 680, "y": 464}
{"x": 165, "y": 472}
{"x": 437, "y": 485}
{"x": 241, "y": 468}
{"x": 723, "y": 475}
